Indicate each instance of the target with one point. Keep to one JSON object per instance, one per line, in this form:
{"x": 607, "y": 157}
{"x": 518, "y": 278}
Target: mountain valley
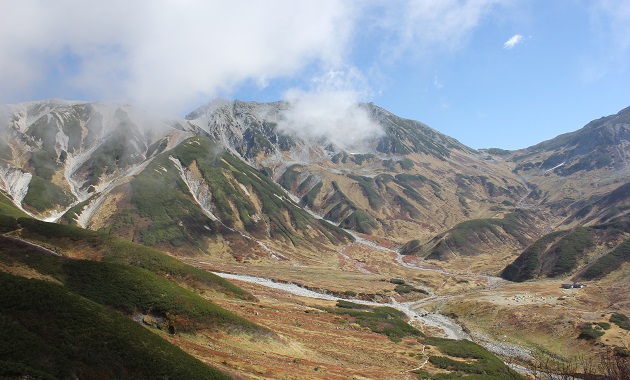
{"x": 400, "y": 235}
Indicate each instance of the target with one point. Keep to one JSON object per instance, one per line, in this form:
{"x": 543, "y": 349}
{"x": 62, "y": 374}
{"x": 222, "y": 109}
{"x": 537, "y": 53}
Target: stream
{"x": 413, "y": 310}
{"x": 451, "y": 329}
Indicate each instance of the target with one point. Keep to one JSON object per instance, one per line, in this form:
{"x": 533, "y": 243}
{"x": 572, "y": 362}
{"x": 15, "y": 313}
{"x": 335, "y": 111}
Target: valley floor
{"x": 517, "y": 321}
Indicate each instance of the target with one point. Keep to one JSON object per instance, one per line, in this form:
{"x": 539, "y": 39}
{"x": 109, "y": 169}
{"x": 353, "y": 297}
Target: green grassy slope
{"x": 467, "y": 360}
{"x": 475, "y": 236}
{"x": 565, "y": 252}
{"x": 48, "y": 332}
{"x": 128, "y": 289}
{"x": 77, "y": 241}
{"x": 166, "y": 215}
{"x": 81, "y": 326}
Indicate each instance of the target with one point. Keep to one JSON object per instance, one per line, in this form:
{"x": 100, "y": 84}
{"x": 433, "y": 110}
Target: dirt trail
{"x": 16, "y": 238}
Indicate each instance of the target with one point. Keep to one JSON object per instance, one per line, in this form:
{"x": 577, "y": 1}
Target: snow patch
{"x": 61, "y": 141}
{"x": 555, "y": 167}
{"x": 15, "y": 182}
{"x": 103, "y": 191}
{"x": 198, "y": 188}
{"x": 244, "y": 189}
{"x": 72, "y": 164}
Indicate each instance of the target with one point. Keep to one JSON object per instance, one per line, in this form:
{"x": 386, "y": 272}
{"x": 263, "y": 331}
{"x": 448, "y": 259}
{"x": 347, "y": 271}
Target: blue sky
{"x": 490, "y": 73}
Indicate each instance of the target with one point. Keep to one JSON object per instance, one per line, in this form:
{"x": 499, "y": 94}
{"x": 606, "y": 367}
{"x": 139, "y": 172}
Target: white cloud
{"x": 616, "y": 18}
{"x": 513, "y": 41}
{"x": 171, "y": 55}
{"x": 330, "y": 109}
{"x": 422, "y": 27}
{"x": 165, "y": 53}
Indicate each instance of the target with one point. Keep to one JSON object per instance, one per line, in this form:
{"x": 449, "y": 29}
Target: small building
{"x": 572, "y": 285}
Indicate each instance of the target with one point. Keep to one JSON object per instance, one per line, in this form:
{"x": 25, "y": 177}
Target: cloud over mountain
{"x": 164, "y": 53}
{"x": 173, "y": 55}
{"x": 330, "y": 109}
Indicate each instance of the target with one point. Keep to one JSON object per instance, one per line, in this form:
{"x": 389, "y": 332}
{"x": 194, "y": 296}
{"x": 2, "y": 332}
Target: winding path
{"x": 17, "y": 238}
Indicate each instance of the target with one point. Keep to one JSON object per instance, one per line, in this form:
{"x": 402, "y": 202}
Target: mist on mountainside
{"x": 331, "y": 110}
{"x": 234, "y": 188}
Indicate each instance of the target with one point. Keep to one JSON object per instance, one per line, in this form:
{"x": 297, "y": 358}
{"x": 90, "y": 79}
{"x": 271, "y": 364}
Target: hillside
{"x": 513, "y": 231}
{"x": 232, "y": 177}
{"x": 350, "y": 258}
{"x": 95, "y": 310}
{"x": 575, "y": 172}
{"x": 68, "y": 344}
{"x": 411, "y": 181}
{"x": 585, "y": 253}
{"x": 108, "y": 166}
{"x": 58, "y": 153}
{"x": 112, "y": 307}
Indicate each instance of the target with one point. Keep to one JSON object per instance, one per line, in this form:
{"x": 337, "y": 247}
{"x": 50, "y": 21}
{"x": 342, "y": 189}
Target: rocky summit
{"x": 393, "y": 213}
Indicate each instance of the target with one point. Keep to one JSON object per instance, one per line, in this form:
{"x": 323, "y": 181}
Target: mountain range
{"x": 230, "y": 181}
{"x": 228, "y": 169}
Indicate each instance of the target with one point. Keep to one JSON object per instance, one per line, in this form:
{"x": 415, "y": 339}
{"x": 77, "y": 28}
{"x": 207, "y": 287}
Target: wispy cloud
{"x": 610, "y": 26}
{"x": 616, "y": 18}
{"x": 513, "y": 41}
{"x": 165, "y": 53}
{"x": 171, "y": 55}
{"x": 330, "y": 109}
{"x": 422, "y": 27}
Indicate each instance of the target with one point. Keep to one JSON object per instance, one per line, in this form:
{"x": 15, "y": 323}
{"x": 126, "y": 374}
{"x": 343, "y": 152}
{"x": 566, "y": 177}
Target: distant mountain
{"x": 576, "y": 169}
{"x": 56, "y": 153}
{"x": 581, "y": 177}
{"x": 109, "y": 166}
{"x": 602, "y": 143}
{"x": 231, "y": 176}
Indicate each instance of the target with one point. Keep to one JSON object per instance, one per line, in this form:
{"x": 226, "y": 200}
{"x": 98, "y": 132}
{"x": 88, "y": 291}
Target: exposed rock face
{"x": 217, "y": 173}
{"x": 577, "y": 169}
{"x": 14, "y": 182}
{"x": 75, "y": 151}
{"x": 411, "y": 181}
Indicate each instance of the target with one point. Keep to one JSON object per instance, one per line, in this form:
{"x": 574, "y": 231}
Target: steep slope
{"x": 133, "y": 291}
{"x": 512, "y": 232}
{"x": 601, "y": 208}
{"x": 95, "y": 310}
{"x": 92, "y": 164}
{"x": 81, "y": 339}
{"x": 54, "y": 154}
{"x": 409, "y": 182}
{"x": 82, "y": 336}
{"x": 211, "y": 180}
{"x": 582, "y": 252}
{"x": 196, "y": 192}
{"x": 576, "y": 169}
